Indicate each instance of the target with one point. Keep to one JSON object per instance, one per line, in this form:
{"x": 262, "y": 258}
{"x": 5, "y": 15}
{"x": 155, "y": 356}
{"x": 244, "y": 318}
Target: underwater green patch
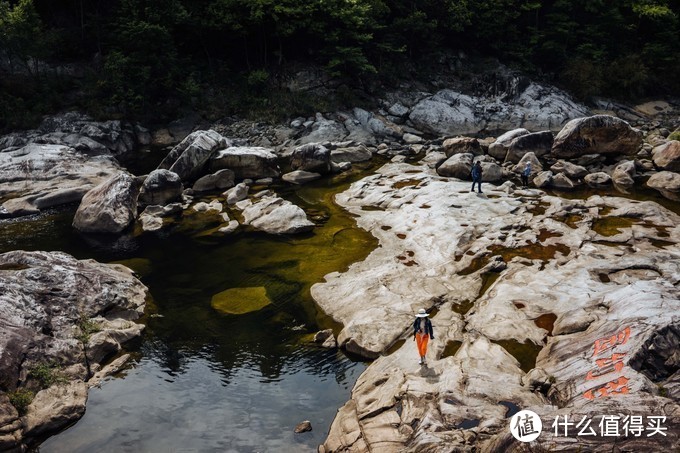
{"x": 239, "y": 301}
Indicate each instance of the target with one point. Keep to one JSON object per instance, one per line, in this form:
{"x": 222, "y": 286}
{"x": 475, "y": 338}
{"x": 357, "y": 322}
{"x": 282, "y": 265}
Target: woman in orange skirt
{"x": 422, "y": 333}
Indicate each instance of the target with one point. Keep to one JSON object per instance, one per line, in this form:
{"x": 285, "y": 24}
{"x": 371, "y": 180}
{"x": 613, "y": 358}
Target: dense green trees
{"x": 143, "y": 54}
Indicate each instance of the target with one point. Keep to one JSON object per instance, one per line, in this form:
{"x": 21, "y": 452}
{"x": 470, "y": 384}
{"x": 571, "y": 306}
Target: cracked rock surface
{"x": 566, "y": 307}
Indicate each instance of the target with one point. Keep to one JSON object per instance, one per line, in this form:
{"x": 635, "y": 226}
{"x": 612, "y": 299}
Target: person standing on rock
{"x": 477, "y": 176}
{"x": 525, "y": 174}
{"x": 422, "y": 333}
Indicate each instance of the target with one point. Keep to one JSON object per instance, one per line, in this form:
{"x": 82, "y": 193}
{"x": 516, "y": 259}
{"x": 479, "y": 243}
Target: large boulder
{"x": 49, "y": 305}
{"x": 110, "y": 207}
{"x": 492, "y": 172}
{"x": 456, "y": 166}
{"x": 572, "y": 171}
{"x": 189, "y": 158}
{"x": 275, "y": 215}
{"x": 237, "y": 193}
{"x": 531, "y": 158}
{"x": 543, "y": 179}
{"x": 667, "y": 156}
{"x": 499, "y": 149}
{"x": 160, "y": 188}
{"x": 311, "y": 157}
{"x": 461, "y": 145}
{"x": 538, "y": 143}
{"x": 36, "y": 177}
{"x": 666, "y": 182}
{"x": 247, "y": 162}
{"x": 601, "y": 134}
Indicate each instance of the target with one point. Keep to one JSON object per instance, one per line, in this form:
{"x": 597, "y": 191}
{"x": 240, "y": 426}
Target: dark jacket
{"x": 428, "y": 327}
{"x": 476, "y": 172}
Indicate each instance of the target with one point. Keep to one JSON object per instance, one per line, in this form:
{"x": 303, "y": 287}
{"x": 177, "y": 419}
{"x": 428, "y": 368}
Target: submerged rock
{"x": 239, "y": 301}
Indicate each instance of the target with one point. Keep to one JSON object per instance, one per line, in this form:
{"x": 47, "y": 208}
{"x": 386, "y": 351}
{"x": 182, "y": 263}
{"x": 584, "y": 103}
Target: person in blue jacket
{"x": 476, "y": 176}
{"x": 525, "y": 174}
{"x": 422, "y": 333}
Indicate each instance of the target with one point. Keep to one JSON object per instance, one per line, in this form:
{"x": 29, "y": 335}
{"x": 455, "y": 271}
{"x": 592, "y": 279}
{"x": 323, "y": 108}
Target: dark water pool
{"x": 204, "y": 380}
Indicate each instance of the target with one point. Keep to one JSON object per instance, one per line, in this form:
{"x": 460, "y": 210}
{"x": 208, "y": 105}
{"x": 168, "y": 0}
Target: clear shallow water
{"x": 203, "y": 380}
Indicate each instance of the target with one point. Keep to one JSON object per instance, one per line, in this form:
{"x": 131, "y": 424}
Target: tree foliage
{"x": 145, "y": 53}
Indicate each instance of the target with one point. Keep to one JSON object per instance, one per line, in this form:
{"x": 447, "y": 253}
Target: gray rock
{"x": 499, "y": 148}
{"x": 311, "y": 157}
{"x": 236, "y": 194}
{"x": 247, "y": 162}
{"x": 160, "y": 187}
{"x": 456, "y": 166}
{"x": 411, "y": 138}
{"x": 461, "y": 145}
{"x": 303, "y": 427}
{"x": 55, "y": 408}
{"x": 667, "y": 156}
{"x": 666, "y": 182}
{"x": 40, "y": 176}
{"x": 538, "y": 143}
{"x": 324, "y": 130}
{"x": 572, "y": 171}
{"x": 543, "y": 179}
{"x": 300, "y": 177}
{"x": 530, "y": 157}
{"x": 110, "y": 207}
{"x": 276, "y": 216}
{"x": 599, "y": 134}
{"x": 598, "y": 179}
{"x": 624, "y": 173}
{"x": 46, "y": 298}
{"x": 189, "y": 158}
{"x": 351, "y": 154}
{"x": 492, "y": 172}
{"x": 561, "y": 181}
{"x": 220, "y": 180}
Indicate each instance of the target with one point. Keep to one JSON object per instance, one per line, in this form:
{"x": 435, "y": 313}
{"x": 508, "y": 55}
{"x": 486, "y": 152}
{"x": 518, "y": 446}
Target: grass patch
{"x": 21, "y": 399}
{"x": 87, "y": 327}
{"x": 47, "y": 374}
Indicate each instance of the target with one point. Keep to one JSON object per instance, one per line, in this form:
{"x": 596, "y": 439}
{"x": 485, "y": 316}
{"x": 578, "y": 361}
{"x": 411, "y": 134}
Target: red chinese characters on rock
{"x": 606, "y": 365}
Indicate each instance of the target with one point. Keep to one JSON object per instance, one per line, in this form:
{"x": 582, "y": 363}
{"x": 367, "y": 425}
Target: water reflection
{"x": 205, "y": 380}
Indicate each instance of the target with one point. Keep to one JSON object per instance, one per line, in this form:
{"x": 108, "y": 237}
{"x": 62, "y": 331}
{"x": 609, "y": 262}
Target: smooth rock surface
{"x": 247, "y": 162}
{"x": 275, "y": 215}
{"x": 160, "y": 188}
{"x": 601, "y": 134}
{"x": 189, "y": 158}
{"x": 110, "y": 207}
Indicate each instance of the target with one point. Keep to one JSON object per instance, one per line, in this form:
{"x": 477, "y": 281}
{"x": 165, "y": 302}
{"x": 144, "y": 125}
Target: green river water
{"x": 203, "y": 380}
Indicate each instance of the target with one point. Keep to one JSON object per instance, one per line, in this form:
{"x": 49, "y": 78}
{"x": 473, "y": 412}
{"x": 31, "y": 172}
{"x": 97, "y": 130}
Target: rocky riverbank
{"x": 520, "y": 285}
{"x": 63, "y": 320}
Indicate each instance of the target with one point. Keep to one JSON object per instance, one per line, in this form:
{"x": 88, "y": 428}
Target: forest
{"x": 144, "y": 58}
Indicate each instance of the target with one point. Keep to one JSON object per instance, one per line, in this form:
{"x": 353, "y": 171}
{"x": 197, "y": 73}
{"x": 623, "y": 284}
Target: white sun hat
{"x": 422, "y": 313}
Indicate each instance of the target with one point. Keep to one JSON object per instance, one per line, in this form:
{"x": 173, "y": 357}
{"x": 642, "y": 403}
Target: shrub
{"x": 21, "y": 399}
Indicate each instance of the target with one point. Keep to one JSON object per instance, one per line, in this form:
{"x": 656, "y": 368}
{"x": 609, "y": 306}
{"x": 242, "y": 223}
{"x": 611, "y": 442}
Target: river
{"x": 201, "y": 379}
